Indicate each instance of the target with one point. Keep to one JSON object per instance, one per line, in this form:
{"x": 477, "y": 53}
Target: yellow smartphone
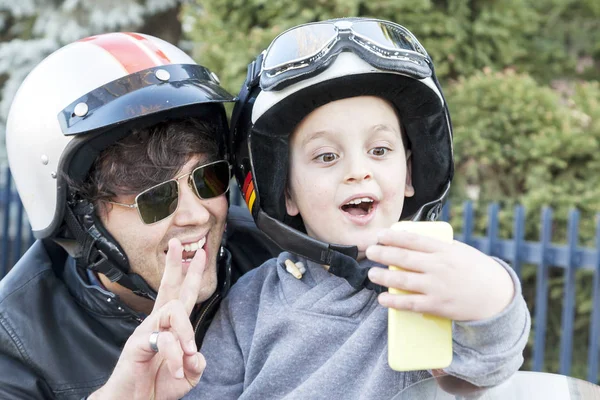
{"x": 419, "y": 341}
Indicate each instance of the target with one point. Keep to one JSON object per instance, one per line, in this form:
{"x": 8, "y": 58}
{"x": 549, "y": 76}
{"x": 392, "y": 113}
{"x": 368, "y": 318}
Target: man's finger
{"x": 171, "y": 351}
{"x": 169, "y": 348}
{"x": 138, "y": 348}
{"x": 193, "y": 367}
{"x": 172, "y": 278}
{"x": 174, "y": 317}
{"x": 192, "y": 282}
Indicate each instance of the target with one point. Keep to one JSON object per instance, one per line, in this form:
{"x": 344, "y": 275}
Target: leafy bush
{"x": 519, "y": 142}
{"x": 463, "y": 36}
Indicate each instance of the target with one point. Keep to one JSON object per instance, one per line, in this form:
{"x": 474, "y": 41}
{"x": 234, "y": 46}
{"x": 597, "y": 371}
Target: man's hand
{"x": 450, "y": 280}
{"x": 170, "y": 373}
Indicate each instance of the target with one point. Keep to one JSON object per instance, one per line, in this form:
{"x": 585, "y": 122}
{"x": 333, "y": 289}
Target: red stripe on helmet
{"x": 134, "y": 52}
{"x": 151, "y": 46}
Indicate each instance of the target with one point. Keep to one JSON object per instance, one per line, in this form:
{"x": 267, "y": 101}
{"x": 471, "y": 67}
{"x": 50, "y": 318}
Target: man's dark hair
{"x": 147, "y": 157}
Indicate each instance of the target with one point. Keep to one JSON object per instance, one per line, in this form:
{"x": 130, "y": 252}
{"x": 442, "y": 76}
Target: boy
{"x": 353, "y": 108}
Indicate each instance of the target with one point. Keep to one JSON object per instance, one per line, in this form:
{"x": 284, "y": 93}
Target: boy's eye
{"x": 327, "y": 157}
{"x": 379, "y": 151}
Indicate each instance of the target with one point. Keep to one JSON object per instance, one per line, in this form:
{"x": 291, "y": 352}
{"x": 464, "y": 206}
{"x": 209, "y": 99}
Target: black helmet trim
{"x": 80, "y": 153}
{"x": 190, "y": 91}
{"x": 293, "y": 241}
{"x": 99, "y": 253}
{"x": 432, "y": 163}
{"x": 146, "y": 92}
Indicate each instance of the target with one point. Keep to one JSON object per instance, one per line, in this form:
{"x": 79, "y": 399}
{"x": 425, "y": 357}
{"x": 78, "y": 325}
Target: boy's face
{"x": 349, "y": 171}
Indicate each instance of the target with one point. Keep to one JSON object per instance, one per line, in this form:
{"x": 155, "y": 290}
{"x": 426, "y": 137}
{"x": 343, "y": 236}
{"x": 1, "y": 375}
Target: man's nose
{"x": 191, "y": 210}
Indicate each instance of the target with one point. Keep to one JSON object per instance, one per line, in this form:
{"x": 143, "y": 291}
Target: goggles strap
{"x": 252, "y": 78}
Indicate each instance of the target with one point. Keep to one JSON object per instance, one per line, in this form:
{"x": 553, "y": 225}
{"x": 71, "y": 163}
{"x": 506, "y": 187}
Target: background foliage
{"x": 32, "y": 29}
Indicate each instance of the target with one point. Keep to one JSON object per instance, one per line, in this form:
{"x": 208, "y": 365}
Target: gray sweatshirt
{"x": 318, "y": 338}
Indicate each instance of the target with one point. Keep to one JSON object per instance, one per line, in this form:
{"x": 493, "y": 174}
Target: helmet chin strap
{"x": 96, "y": 250}
{"x": 336, "y": 256}
{"x": 296, "y": 242}
{"x": 99, "y": 253}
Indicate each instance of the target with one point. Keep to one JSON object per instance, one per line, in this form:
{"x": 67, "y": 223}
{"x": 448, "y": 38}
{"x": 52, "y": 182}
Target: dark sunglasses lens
{"x": 158, "y": 203}
{"x": 298, "y": 44}
{"x": 212, "y": 180}
{"x": 386, "y": 35}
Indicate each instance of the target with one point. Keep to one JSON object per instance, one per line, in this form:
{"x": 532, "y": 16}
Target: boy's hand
{"x": 451, "y": 280}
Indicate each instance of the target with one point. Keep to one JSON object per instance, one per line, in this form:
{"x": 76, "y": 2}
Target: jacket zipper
{"x": 205, "y": 311}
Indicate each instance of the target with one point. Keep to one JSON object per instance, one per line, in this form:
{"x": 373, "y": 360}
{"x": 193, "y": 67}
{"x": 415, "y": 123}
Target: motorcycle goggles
{"x": 305, "y": 50}
{"x": 160, "y": 201}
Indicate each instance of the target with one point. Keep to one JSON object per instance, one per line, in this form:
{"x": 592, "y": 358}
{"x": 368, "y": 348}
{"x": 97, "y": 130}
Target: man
{"x": 117, "y": 144}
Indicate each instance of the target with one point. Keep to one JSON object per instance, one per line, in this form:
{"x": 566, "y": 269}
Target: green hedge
{"x": 519, "y": 142}
{"x": 542, "y": 37}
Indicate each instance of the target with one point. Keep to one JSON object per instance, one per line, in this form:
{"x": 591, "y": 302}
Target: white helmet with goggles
{"x": 78, "y": 101}
{"x": 317, "y": 63}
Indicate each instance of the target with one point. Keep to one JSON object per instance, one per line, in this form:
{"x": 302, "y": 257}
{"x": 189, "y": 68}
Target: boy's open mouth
{"x": 360, "y": 206}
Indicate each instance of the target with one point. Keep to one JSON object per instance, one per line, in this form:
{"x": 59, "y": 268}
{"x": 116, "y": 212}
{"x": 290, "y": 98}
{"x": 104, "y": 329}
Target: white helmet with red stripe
{"x": 89, "y": 94}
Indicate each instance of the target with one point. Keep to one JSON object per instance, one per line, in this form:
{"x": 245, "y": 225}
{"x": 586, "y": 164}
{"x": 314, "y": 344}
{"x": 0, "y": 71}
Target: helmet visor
{"x": 147, "y": 92}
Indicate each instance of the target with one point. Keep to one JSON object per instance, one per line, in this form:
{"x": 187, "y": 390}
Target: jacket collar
{"x": 101, "y": 304}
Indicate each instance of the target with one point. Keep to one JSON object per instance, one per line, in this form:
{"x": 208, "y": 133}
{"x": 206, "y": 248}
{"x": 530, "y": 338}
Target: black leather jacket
{"x": 60, "y": 337}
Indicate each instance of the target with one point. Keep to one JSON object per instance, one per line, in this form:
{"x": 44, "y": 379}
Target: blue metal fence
{"x": 517, "y": 251}
{"x": 15, "y": 235}
{"x": 545, "y": 255}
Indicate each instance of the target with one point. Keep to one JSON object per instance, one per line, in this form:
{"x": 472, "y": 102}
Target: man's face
{"x": 194, "y": 221}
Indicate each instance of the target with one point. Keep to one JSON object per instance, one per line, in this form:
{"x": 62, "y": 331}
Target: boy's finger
{"x": 172, "y": 278}
{"x": 400, "y": 257}
{"x": 409, "y": 302}
{"x": 411, "y": 241}
{"x": 192, "y": 282}
{"x": 404, "y": 280}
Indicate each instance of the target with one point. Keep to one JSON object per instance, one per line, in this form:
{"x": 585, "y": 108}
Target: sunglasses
{"x": 160, "y": 201}
{"x": 308, "y": 48}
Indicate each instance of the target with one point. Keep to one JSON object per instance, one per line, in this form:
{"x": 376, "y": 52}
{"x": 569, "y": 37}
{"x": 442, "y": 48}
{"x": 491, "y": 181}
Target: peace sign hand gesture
{"x": 160, "y": 359}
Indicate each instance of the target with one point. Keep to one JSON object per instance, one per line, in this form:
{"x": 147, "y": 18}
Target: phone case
{"x": 419, "y": 341}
